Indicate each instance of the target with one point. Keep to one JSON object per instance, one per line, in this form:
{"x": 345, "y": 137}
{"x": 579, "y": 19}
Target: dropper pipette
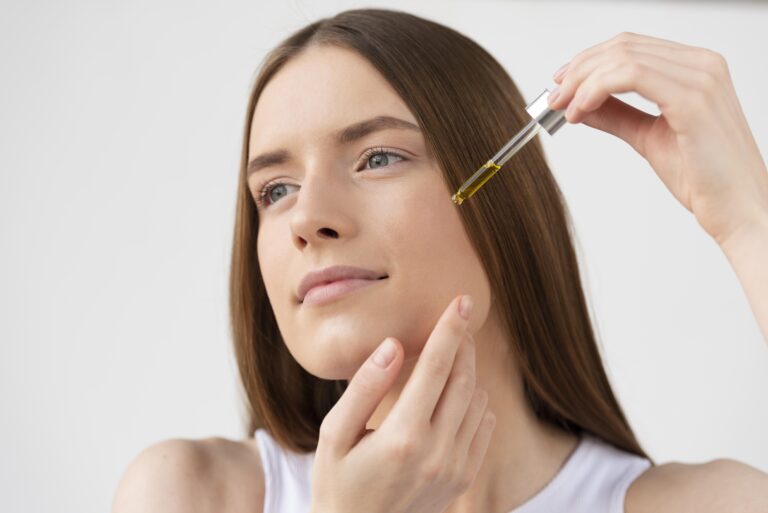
{"x": 543, "y": 118}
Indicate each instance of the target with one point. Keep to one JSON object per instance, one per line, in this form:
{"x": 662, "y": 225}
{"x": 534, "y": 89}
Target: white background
{"x": 120, "y": 132}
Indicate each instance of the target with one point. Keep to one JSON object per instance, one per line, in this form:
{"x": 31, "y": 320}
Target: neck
{"x": 524, "y": 453}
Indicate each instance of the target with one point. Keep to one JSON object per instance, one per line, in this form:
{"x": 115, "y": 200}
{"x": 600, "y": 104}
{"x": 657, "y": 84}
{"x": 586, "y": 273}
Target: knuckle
{"x": 404, "y": 448}
{"x": 571, "y": 88}
{"x": 365, "y": 383}
{"x": 713, "y": 57}
{"x": 574, "y": 64}
{"x": 489, "y": 418}
{"x": 466, "y": 383}
{"x": 622, "y": 48}
{"x": 707, "y": 83}
{"x": 436, "y": 366}
{"x": 432, "y": 471}
{"x": 456, "y": 328}
{"x": 717, "y": 63}
{"x": 582, "y": 94}
{"x": 566, "y": 86}
{"x": 625, "y": 36}
{"x": 632, "y": 70}
{"x": 624, "y": 52}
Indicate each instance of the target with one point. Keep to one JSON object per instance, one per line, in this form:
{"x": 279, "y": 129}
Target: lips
{"x": 333, "y": 274}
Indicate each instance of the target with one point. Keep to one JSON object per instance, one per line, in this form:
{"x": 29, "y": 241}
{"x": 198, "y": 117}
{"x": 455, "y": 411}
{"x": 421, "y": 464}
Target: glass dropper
{"x": 543, "y": 118}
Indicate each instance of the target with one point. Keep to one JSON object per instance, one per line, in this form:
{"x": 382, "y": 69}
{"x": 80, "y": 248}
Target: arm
{"x": 719, "y": 486}
{"x": 169, "y": 476}
{"x": 700, "y": 146}
{"x": 747, "y": 251}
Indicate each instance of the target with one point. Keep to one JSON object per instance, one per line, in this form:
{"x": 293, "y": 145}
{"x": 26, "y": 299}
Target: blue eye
{"x": 381, "y": 158}
{"x": 276, "y": 187}
{"x": 266, "y": 197}
{"x": 376, "y": 157}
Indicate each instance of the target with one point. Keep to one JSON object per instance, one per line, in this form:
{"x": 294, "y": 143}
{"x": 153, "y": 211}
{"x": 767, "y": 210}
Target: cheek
{"x": 419, "y": 238}
{"x": 428, "y": 237}
{"x": 433, "y": 261}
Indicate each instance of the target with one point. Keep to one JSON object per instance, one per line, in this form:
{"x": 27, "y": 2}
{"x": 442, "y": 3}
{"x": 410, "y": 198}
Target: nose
{"x": 321, "y": 212}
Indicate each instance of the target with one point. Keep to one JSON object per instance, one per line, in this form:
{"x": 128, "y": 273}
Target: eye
{"x": 375, "y": 157}
{"x": 379, "y": 157}
{"x": 272, "y": 192}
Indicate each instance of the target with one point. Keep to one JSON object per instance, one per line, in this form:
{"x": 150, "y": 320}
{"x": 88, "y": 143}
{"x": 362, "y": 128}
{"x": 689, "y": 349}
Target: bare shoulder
{"x": 721, "y": 485}
{"x": 193, "y": 476}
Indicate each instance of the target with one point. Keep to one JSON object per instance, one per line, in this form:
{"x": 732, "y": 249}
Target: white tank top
{"x": 594, "y": 479}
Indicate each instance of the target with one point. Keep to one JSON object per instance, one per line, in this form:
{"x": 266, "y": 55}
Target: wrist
{"x": 749, "y": 235}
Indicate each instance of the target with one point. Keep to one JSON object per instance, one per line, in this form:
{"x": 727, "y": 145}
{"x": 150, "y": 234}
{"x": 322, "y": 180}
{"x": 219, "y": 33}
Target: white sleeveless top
{"x": 594, "y": 479}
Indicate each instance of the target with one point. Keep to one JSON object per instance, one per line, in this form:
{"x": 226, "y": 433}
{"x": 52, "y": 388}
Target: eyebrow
{"x": 346, "y": 135}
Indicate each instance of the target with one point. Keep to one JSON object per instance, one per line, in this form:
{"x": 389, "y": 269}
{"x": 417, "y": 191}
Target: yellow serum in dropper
{"x": 475, "y": 181}
{"x": 542, "y": 117}
{"x": 490, "y": 168}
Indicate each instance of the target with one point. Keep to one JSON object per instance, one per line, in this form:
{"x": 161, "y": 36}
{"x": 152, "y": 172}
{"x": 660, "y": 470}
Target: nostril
{"x": 329, "y": 232}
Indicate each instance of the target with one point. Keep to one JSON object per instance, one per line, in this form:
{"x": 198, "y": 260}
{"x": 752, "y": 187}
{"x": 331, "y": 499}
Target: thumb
{"x": 346, "y": 422}
{"x": 622, "y": 120}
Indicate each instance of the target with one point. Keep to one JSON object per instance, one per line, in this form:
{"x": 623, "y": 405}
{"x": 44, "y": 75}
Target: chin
{"x": 337, "y": 358}
{"x": 330, "y": 370}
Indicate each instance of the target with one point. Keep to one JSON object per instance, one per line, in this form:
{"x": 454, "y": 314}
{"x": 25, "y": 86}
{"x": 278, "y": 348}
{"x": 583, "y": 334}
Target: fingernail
{"x": 465, "y": 306}
{"x": 384, "y": 354}
{"x": 560, "y": 71}
{"x": 553, "y": 95}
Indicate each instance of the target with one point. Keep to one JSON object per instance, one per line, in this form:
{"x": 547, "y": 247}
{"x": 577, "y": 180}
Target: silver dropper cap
{"x": 550, "y": 120}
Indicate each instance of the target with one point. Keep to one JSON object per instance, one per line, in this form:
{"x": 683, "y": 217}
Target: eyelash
{"x": 261, "y": 199}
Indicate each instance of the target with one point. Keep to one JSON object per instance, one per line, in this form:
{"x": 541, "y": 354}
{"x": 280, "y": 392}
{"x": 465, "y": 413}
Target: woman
{"x": 488, "y": 393}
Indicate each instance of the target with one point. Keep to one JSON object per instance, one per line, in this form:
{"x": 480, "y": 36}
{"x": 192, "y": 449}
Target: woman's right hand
{"x": 429, "y": 448}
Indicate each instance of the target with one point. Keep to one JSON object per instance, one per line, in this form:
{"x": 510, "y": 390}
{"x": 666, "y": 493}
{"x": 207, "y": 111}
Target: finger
{"x": 578, "y": 72}
{"x": 580, "y": 65}
{"x": 665, "y": 83}
{"x": 622, "y": 39}
{"x": 622, "y": 120}
{"x": 458, "y": 393}
{"x": 645, "y": 38}
{"x": 480, "y": 442}
{"x": 345, "y": 424}
{"x": 420, "y": 395}
{"x": 471, "y": 422}
{"x": 690, "y": 57}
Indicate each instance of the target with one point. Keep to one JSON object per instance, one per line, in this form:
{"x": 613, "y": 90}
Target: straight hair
{"x": 467, "y": 107}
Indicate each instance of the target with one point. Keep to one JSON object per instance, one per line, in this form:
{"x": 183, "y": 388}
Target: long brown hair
{"x": 467, "y": 106}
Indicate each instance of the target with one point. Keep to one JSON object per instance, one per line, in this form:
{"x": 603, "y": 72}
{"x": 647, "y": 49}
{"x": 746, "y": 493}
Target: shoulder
{"x": 194, "y": 476}
{"x": 721, "y": 485}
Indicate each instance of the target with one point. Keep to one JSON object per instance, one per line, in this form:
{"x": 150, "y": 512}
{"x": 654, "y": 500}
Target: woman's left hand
{"x": 700, "y": 146}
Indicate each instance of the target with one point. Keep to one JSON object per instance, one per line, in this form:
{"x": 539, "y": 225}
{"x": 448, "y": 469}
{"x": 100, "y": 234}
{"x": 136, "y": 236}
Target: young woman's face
{"x": 373, "y": 199}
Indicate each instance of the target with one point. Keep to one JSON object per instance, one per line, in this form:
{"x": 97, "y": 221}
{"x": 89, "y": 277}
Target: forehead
{"x": 317, "y": 92}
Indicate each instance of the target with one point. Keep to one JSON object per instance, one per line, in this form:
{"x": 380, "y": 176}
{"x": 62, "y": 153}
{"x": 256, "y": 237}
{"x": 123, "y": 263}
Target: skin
{"x": 379, "y": 218}
{"x": 395, "y": 218}
{"x": 392, "y": 218}
{"x": 701, "y": 148}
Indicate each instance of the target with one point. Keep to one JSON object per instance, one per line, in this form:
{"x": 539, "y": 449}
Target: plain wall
{"x": 120, "y": 131}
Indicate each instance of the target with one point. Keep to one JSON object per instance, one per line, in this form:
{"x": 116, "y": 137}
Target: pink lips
{"x": 321, "y": 294}
{"x": 324, "y": 285}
